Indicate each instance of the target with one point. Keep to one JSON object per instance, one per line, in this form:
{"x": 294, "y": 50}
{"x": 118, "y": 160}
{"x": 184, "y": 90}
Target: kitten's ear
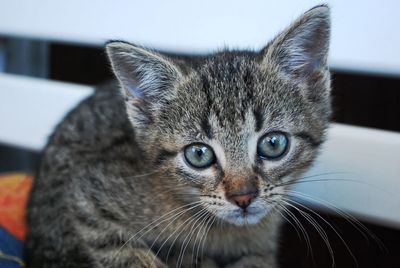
{"x": 302, "y": 48}
{"x": 146, "y": 78}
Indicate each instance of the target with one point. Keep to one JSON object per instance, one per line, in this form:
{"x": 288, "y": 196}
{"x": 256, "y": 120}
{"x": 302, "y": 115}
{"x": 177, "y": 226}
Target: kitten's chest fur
{"x": 223, "y": 245}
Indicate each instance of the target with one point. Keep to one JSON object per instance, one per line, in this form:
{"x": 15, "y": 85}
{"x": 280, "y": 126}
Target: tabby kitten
{"x": 186, "y": 164}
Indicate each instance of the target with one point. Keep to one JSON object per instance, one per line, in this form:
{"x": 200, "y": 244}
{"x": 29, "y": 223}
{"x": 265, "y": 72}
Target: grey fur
{"x": 106, "y": 175}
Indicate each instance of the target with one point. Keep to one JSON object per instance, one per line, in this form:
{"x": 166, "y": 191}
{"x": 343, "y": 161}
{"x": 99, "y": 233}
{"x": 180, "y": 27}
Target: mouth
{"x": 248, "y": 216}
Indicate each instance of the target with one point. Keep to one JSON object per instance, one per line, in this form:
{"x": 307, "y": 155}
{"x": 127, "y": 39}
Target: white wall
{"x": 365, "y": 37}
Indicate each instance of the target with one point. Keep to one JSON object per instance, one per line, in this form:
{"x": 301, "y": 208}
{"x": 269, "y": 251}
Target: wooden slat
{"x": 359, "y": 168}
{"x": 30, "y": 108}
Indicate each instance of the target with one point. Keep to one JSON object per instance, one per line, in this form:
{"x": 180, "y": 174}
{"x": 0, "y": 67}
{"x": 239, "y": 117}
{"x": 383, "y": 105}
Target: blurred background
{"x": 51, "y": 57}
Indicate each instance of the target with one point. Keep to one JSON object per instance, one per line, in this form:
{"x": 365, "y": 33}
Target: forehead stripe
{"x": 259, "y": 119}
{"x": 205, "y": 125}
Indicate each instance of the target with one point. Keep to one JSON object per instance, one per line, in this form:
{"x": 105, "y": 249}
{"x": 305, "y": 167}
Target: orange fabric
{"x": 14, "y": 192}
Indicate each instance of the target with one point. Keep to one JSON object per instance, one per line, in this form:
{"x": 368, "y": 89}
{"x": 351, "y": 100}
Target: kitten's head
{"x": 228, "y": 129}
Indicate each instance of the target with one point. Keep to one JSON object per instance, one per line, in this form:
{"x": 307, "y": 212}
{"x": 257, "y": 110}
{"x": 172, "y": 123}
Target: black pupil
{"x": 273, "y": 141}
{"x": 199, "y": 152}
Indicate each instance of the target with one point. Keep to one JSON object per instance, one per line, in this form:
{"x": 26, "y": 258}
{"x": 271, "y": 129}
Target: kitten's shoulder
{"x": 97, "y": 122}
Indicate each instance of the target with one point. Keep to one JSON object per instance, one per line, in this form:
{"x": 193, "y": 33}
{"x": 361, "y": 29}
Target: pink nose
{"x": 243, "y": 200}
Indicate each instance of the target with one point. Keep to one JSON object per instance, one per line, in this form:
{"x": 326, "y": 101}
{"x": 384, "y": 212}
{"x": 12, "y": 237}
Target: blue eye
{"x": 199, "y": 155}
{"x": 272, "y": 145}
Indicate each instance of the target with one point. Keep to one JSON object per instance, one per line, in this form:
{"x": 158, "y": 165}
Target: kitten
{"x": 186, "y": 165}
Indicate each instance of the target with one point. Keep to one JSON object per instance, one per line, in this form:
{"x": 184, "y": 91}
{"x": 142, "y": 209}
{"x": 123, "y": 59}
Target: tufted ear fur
{"x": 301, "y": 50}
{"x": 147, "y": 79}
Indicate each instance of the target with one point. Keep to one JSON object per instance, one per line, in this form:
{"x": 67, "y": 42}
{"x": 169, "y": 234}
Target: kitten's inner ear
{"x": 145, "y": 76}
{"x": 302, "y": 48}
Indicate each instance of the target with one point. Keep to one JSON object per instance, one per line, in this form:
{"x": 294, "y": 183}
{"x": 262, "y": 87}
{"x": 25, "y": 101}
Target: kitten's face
{"x": 229, "y": 130}
{"x": 236, "y": 132}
